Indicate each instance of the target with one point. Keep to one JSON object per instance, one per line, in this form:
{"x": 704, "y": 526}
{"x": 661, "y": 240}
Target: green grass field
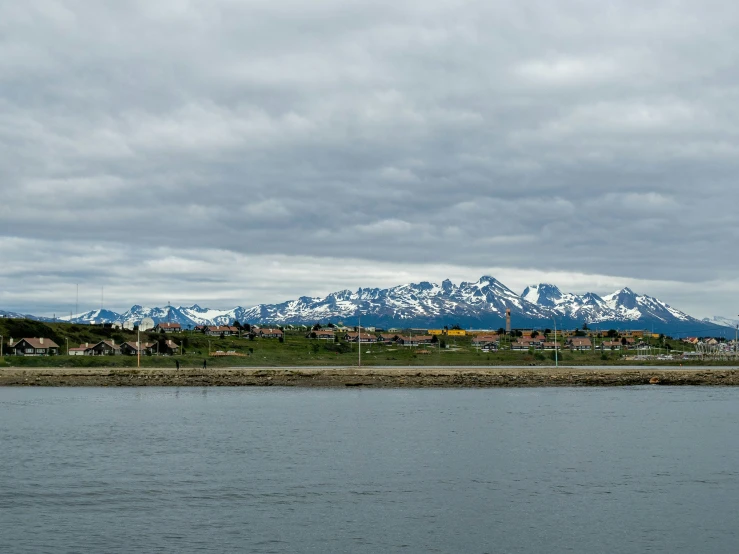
{"x": 296, "y": 350}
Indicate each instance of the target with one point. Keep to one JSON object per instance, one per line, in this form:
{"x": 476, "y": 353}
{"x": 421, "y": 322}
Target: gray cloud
{"x": 575, "y": 138}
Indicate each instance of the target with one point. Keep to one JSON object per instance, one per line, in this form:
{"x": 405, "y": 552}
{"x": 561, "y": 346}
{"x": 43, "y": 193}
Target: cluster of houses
{"x": 130, "y": 348}
{"x": 572, "y": 343}
{"x": 485, "y": 342}
{"x": 387, "y": 338}
{"x": 47, "y": 347}
{"x": 221, "y": 330}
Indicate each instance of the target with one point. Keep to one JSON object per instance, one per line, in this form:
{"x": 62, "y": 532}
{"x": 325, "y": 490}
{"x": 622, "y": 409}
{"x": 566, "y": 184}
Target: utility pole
{"x": 359, "y": 340}
{"x": 556, "y": 358}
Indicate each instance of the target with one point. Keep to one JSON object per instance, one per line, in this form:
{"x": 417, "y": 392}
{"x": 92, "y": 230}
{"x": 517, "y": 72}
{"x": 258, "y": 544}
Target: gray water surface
{"x": 642, "y": 469}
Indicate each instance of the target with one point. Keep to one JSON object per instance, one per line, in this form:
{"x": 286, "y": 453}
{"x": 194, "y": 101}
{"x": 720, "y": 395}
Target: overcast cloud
{"x": 238, "y": 151}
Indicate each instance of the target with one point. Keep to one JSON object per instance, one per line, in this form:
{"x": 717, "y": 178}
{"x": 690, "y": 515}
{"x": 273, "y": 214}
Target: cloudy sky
{"x": 241, "y": 151}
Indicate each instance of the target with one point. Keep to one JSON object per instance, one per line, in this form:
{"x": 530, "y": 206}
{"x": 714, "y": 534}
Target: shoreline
{"x": 402, "y": 377}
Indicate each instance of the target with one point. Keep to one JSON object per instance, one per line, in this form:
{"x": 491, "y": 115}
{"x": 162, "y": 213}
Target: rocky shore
{"x": 374, "y": 378}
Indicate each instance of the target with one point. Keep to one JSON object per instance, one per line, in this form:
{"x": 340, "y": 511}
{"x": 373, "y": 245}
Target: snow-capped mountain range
{"x": 481, "y": 304}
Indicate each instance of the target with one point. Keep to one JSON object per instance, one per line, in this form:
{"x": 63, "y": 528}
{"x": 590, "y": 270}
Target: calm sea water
{"x": 651, "y": 469}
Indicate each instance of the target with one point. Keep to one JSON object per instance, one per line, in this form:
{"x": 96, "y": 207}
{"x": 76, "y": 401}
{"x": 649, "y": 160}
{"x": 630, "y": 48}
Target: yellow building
{"x": 456, "y": 332}
{"x": 436, "y": 331}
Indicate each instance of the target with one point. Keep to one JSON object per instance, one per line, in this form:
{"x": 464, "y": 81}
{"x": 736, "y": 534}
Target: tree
{"x": 579, "y": 333}
{"x": 331, "y": 325}
{"x": 434, "y": 339}
{"x": 237, "y": 324}
{"x": 442, "y": 343}
{"x": 501, "y": 331}
{"x": 534, "y": 334}
{"x": 584, "y": 326}
{"x": 456, "y": 327}
{"x": 547, "y": 331}
{"x": 247, "y": 327}
{"x": 624, "y": 342}
{"x": 313, "y": 335}
{"x": 612, "y": 333}
{"x": 223, "y": 335}
{"x": 317, "y": 327}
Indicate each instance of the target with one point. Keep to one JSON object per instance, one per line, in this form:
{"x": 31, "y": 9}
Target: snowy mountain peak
{"x": 488, "y": 281}
{"x": 543, "y": 294}
{"x": 624, "y": 297}
{"x": 447, "y": 286}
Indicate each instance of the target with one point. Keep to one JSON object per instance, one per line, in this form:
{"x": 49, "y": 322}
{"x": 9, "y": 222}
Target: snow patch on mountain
{"x": 722, "y": 321}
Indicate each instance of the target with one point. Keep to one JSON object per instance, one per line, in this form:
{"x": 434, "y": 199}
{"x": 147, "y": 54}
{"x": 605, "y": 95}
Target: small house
{"x": 34, "y": 347}
{"x": 132, "y": 348}
{"x": 169, "y": 348}
{"x": 610, "y": 345}
{"x": 413, "y": 340}
{"x": 168, "y": 327}
{"x": 482, "y": 341}
{"x": 579, "y": 343}
{"x": 364, "y": 337}
{"x": 218, "y": 330}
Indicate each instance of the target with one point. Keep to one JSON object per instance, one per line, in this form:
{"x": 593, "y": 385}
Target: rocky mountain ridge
{"x": 481, "y": 304}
